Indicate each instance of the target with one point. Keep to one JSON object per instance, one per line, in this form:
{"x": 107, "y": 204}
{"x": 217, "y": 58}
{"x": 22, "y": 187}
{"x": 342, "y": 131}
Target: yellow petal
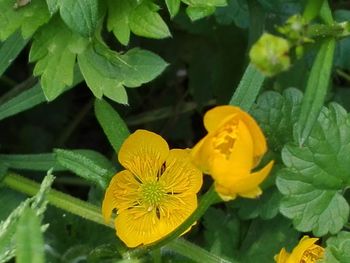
{"x": 282, "y": 256}
{"x": 258, "y": 137}
{"x": 244, "y": 185}
{"x": 121, "y": 194}
{"x": 175, "y": 210}
{"x": 202, "y": 154}
{"x": 249, "y": 184}
{"x": 214, "y": 117}
{"x": 137, "y": 227}
{"x": 228, "y": 171}
{"x": 180, "y": 175}
{"x": 256, "y": 192}
{"x": 143, "y": 154}
{"x": 108, "y": 204}
{"x": 226, "y": 194}
{"x": 304, "y": 244}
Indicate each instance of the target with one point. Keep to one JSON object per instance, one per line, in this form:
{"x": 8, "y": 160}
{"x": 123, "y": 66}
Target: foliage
{"x": 78, "y": 77}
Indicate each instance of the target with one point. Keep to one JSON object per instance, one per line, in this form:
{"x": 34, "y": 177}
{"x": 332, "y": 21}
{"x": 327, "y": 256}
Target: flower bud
{"x": 270, "y": 54}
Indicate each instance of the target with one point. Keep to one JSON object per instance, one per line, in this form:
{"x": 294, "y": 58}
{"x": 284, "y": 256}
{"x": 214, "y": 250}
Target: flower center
{"x": 152, "y": 194}
{"x": 312, "y": 255}
{"x": 225, "y": 139}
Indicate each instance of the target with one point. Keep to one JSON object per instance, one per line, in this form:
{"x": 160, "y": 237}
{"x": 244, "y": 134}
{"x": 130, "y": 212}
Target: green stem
{"x": 343, "y": 74}
{"x": 18, "y": 89}
{"x": 207, "y": 200}
{"x": 323, "y": 31}
{"x": 93, "y": 213}
{"x": 56, "y": 198}
{"x": 194, "y": 252}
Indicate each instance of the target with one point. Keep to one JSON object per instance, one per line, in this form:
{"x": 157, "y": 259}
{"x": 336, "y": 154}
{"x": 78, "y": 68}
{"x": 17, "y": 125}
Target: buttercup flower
{"x": 233, "y": 147}
{"x": 155, "y": 193}
{"x": 305, "y": 252}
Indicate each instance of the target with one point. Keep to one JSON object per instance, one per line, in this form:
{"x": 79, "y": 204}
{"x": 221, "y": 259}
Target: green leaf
{"x": 107, "y": 72}
{"x": 68, "y": 231}
{"x": 28, "y": 18}
{"x": 198, "y": 9}
{"x": 3, "y": 172}
{"x": 326, "y": 13}
{"x": 145, "y": 21}
{"x": 221, "y": 239}
{"x": 173, "y": 7}
{"x": 141, "y": 66}
{"x": 103, "y": 252}
{"x": 312, "y": 9}
{"x": 199, "y": 12}
{"x": 212, "y": 3}
{"x": 312, "y": 208}
{"x": 265, "y": 238}
{"x": 30, "y": 98}
{"x": 343, "y": 45}
{"x": 277, "y": 114}
{"x": 265, "y": 207}
{"x": 316, "y": 90}
{"x": 102, "y": 76}
{"x": 10, "y": 49}
{"x": 35, "y": 162}
{"x": 338, "y": 248}
{"x": 316, "y": 174}
{"x": 248, "y": 88}
{"x": 118, "y": 19}
{"x": 81, "y": 16}
{"x": 29, "y": 239}
{"x": 98, "y": 158}
{"x": 25, "y": 100}
{"x": 86, "y": 166}
{"x": 75, "y": 253}
{"x": 54, "y": 50}
{"x": 9, "y": 225}
{"x": 112, "y": 124}
{"x": 53, "y": 6}
{"x": 235, "y": 12}
{"x": 9, "y": 200}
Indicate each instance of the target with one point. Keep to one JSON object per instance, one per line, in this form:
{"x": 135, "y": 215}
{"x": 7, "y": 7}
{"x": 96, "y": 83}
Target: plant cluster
{"x": 174, "y": 131}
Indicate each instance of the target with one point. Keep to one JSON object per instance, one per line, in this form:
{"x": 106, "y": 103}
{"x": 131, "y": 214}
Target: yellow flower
{"x": 305, "y": 252}
{"x": 233, "y": 147}
{"x": 156, "y": 192}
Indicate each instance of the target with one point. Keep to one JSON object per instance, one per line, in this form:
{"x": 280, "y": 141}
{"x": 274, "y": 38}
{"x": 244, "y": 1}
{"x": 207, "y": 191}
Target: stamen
{"x": 152, "y": 194}
{"x": 225, "y": 139}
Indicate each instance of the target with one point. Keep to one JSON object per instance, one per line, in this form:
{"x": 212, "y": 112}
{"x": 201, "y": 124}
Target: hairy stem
{"x": 56, "y": 198}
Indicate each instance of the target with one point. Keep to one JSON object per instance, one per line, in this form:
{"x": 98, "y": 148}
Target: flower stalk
{"x": 338, "y": 30}
{"x": 196, "y": 253}
{"x": 56, "y": 198}
{"x": 93, "y": 213}
{"x": 209, "y": 198}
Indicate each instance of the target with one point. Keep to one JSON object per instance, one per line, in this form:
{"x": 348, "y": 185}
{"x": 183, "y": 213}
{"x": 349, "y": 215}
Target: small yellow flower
{"x": 233, "y": 147}
{"x": 156, "y": 192}
{"x": 305, "y": 252}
